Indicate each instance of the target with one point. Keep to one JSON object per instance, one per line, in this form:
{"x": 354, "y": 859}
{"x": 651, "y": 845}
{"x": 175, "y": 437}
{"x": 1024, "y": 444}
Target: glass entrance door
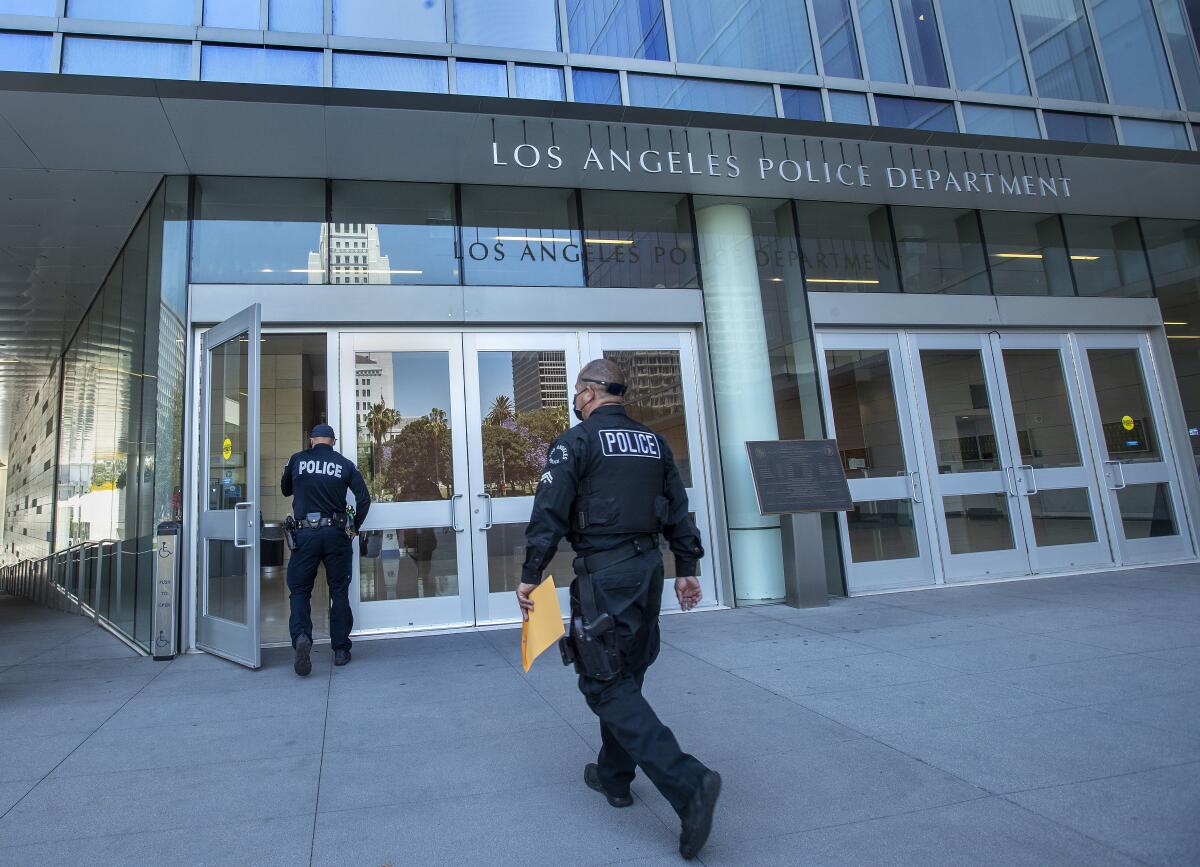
{"x": 228, "y": 550}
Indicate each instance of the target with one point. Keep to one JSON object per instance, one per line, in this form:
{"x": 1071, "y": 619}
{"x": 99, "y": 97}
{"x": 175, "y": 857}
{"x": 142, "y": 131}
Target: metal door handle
{"x": 1112, "y": 478}
{"x": 488, "y": 501}
{"x": 1011, "y": 475}
{"x": 914, "y": 479}
{"x": 454, "y": 512}
{"x": 1031, "y": 485}
{"x": 249, "y": 524}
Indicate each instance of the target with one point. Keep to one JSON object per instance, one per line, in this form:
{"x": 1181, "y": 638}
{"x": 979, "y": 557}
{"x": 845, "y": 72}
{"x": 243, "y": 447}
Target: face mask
{"x": 575, "y": 406}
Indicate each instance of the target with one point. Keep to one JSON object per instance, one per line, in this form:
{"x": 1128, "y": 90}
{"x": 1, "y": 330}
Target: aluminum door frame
{"x": 238, "y": 642}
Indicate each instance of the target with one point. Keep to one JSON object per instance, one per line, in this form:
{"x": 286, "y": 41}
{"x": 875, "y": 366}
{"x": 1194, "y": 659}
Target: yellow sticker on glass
{"x": 1127, "y": 422}
{"x": 227, "y": 448}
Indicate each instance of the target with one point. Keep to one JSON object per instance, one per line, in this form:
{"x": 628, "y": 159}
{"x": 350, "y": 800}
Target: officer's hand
{"x": 688, "y": 591}
{"x": 523, "y": 591}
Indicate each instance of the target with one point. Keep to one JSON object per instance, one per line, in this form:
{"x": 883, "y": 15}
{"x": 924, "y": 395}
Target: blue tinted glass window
{"x": 260, "y": 65}
{"x": 1065, "y": 126}
{"x": 28, "y": 7}
{"x": 1154, "y": 134}
{"x": 751, "y": 34}
{"x": 232, "y": 13}
{"x": 147, "y": 11}
{"x": 86, "y": 55}
{"x": 521, "y": 237}
{"x": 421, "y": 20}
{"x": 915, "y": 113}
{"x": 1107, "y": 256}
{"x": 802, "y": 103}
{"x": 846, "y": 107}
{"x": 511, "y": 24}
{"x": 881, "y": 41}
{"x": 982, "y": 37}
{"x": 296, "y": 16}
{"x": 1133, "y": 52}
{"x": 661, "y": 91}
{"x": 389, "y": 72}
{"x": 835, "y": 32}
{"x": 1060, "y": 47}
{"x": 1179, "y": 40}
{"x": 481, "y": 79}
{"x": 924, "y": 44}
{"x": 593, "y": 85}
{"x": 538, "y": 82}
{"x": 1000, "y": 120}
{"x": 618, "y": 28}
{"x": 25, "y": 52}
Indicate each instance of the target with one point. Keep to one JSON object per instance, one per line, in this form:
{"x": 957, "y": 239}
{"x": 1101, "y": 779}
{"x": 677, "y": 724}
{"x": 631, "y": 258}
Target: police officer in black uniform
{"x": 319, "y": 478}
{"x": 611, "y": 486}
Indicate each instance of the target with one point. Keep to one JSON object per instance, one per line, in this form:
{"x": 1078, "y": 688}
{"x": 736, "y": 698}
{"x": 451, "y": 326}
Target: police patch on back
{"x": 621, "y": 443}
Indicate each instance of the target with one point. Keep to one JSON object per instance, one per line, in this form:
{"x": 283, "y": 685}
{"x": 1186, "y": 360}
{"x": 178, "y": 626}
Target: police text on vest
{"x": 320, "y": 468}
{"x": 629, "y": 444}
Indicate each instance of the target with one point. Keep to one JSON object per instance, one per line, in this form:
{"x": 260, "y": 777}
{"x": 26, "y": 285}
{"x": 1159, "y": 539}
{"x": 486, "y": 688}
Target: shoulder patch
{"x": 621, "y": 443}
{"x": 559, "y": 454}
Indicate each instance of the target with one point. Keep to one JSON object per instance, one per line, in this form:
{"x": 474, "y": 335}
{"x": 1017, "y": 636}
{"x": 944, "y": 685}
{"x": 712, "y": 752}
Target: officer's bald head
{"x": 595, "y": 374}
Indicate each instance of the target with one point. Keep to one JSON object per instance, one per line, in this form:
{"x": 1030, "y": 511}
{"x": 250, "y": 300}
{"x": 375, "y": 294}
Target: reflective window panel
{"x": 1062, "y": 517}
{"x": 1107, "y": 256}
{"x": 618, "y": 28}
{"x": 26, "y": 52}
{"x": 596, "y": 86}
{"x": 226, "y": 581}
{"x": 1067, "y": 126}
{"x": 846, "y": 107}
{"x": 260, "y": 65}
{"x": 419, "y": 20}
{"x": 1041, "y": 406}
{"x": 296, "y": 16}
{"x": 982, "y": 37}
{"x": 258, "y": 230}
{"x": 479, "y": 78}
{"x": 228, "y": 408}
{"x": 1000, "y": 120}
{"x": 847, "y": 248}
{"x": 408, "y": 563}
{"x": 655, "y": 398}
{"x": 1133, "y": 53}
{"x": 47, "y": 8}
{"x": 1154, "y": 134}
{"x": 142, "y": 11}
{"x": 523, "y": 406}
{"x": 521, "y": 237}
{"x": 905, "y": 113}
{"x": 640, "y": 240}
{"x": 694, "y": 94}
{"x": 978, "y": 522}
{"x": 940, "y": 251}
{"x": 924, "y": 44}
{"x": 751, "y": 34}
{"x": 232, "y": 13}
{"x": 506, "y": 556}
{"x": 391, "y": 233}
{"x": 141, "y": 58}
{"x": 1027, "y": 253}
{"x": 1061, "y": 50}
{"x": 862, "y": 397}
{"x": 882, "y": 530}
{"x": 802, "y": 103}
{"x": 835, "y": 33}
{"x": 539, "y": 82}
{"x": 404, "y": 426}
{"x": 512, "y": 24}
{"x": 390, "y": 72}
{"x": 1146, "y": 511}
{"x": 881, "y": 41}
{"x": 1179, "y": 40}
{"x": 1126, "y": 419}
{"x": 960, "y": 411}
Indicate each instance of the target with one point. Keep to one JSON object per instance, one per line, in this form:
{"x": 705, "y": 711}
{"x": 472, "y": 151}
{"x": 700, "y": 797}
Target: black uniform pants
{"x": 632, "y": 735}
{"x": 314, "y": 546}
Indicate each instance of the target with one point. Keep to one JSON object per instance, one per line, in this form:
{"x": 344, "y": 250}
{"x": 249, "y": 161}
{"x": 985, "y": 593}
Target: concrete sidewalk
{"x": 1046, "y": 722}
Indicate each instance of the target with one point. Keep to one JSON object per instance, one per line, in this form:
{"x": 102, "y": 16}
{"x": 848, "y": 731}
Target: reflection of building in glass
{"x": 653, "y": 377}
{"x": 372, "y": 384}
{"x": 353, "y": 255}
{"x": 539, "y": 380}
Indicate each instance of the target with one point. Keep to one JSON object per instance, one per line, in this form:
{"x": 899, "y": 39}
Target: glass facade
{"x": 1061, "y": 49}
{"x": 260, "y": 65}
{"x": 618, "y": 28}
{"x": 698, "y": 94}
{"x": 92, "y": 55}
{"x": 802, "y": 103}
{"x": 25, "y": 52}
{"x": 924, "y": 43}
{"x": 1000, "y": 120}
{"x": 413, "y": 20}
{"x": 390, "y": 72}
{"x": 984, "y": 49}
{"x": 595, "y": 85}
{"x": 751, "y": 34}
{"x": 1133, "y": 53}
{"x": 900, "y": 111}
{"x": 1066, "y": 126}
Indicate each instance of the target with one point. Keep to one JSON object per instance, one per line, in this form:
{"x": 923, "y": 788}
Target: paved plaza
{"x": 1043, "y": 722}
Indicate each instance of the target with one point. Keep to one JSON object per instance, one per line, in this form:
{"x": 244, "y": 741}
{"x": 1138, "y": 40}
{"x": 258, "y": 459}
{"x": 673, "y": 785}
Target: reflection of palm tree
{"x": 379, "y": 420}
{"x": 501, "y": 410}
{"x": 440, "y": 427}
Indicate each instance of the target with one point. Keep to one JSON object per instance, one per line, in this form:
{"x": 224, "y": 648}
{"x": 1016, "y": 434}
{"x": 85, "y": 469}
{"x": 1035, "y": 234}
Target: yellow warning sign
{"x": 1127, "y": 422}
{"x": 227, "y": 448}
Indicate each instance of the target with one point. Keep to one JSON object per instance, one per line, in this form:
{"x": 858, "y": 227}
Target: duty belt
{"x": 305, "y": 523}
{"x": 593, "y": 563}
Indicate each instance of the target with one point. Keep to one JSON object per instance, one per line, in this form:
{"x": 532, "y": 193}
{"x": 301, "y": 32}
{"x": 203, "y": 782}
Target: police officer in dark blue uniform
{"x": 319, "y": 478}
{"x": 611, "y": 487}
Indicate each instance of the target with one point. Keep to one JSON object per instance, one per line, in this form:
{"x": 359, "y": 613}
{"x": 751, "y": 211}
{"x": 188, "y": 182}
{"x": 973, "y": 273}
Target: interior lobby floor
{"x": 1049, "y": 721}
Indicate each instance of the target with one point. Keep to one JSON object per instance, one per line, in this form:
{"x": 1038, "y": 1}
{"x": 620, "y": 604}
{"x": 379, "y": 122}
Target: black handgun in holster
{"x": 591, "y": 643}
{"x": 289, "y": 532}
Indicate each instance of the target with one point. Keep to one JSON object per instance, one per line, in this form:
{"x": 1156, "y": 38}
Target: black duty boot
{"x": 341, "y": 656}
{"x": 591, "y": 776}
{"x": 697, "y": 819}
{"x": 303, "y": 665}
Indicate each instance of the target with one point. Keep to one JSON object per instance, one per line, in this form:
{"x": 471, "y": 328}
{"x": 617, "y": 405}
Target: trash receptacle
{"x": 271, "y": 558}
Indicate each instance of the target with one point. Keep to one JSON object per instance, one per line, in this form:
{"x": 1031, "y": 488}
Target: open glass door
{"x": 228, "y": 527}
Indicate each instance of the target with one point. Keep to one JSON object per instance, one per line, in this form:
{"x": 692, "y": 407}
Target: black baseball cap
{"x": 322, "y": 430}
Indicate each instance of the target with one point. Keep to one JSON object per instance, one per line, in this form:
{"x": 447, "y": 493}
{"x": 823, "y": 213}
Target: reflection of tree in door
{"x": 655, "y": 397}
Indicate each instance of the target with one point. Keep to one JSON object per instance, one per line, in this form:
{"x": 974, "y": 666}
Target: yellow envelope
{"x": 544, "y": 625}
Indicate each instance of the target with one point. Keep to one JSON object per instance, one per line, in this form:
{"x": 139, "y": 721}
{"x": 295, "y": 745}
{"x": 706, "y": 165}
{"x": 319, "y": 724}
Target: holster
{"x": 591, "y": 643}
{"x": 289, "y": 532}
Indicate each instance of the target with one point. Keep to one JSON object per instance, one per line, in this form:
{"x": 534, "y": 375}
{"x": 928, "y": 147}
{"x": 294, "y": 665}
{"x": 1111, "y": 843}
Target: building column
{"x": 745, "y": 402}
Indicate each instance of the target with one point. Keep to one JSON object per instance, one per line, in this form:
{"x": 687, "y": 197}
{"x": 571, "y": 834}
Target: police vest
{"x": 621, "y": 491}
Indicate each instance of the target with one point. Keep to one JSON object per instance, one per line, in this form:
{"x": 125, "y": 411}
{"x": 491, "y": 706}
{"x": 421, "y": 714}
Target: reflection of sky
{"x": 421, "y": 381}
{"x": 226, "y": 249}
{"x": 429, "y": 249}
{"x": 495, "y": 378}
